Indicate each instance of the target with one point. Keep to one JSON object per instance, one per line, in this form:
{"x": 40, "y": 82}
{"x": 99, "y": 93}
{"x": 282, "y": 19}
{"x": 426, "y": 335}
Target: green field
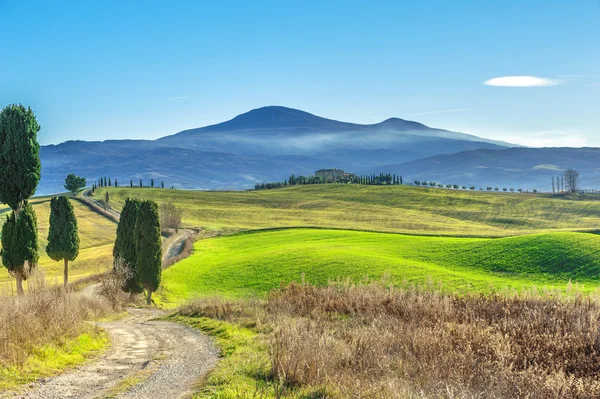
{"x": 97, "y": 235}
{"x": 405, "y": 209}
{"x": 254, "y": 263}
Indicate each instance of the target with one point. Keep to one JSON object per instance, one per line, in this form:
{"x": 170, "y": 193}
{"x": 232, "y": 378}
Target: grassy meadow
{"x": 96, "y": 234}
{"x": 254, "y": 263}
{"x": 400, "y": 209}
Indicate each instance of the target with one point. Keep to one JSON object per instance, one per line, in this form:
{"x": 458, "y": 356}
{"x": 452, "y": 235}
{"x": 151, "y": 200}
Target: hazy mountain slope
{"x": 527, "y": 168}
{"x": 266, "y": 144}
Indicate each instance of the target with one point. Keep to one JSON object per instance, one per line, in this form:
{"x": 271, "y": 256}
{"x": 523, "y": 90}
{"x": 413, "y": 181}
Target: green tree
{"x": 19, "y": 251}
{"x": 124, "y": 250}
{"x": 74, "y": 183}
{"x": 148, "y": 248}
{"x": 63, "y": 237}
{"x": 20, "y": 165}
{"x": 20, "y": 170}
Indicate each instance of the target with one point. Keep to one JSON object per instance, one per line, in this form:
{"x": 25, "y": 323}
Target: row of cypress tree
{"x": 20, "y": 170}
{"x": 138, "y": 246}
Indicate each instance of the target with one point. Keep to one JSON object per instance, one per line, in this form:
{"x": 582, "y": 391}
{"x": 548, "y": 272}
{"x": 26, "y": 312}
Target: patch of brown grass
{"x": 42, "y": 317}
{"x": 375, "y": 341}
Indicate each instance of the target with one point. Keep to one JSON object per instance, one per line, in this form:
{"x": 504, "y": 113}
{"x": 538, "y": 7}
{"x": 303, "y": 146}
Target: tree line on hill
{"x": 462, "y": 187}
{"x": 374, "y": 180}
{"x": 108, "y": 182}
{"x": 568, "y": 182}
{"x": 138, "y": 246}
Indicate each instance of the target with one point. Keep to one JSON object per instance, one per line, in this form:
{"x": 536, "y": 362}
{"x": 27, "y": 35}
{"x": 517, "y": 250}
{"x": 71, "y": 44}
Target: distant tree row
{"x": 459, "y": 187}
{"x": 293, "y": 180}
{"x": 108, "y": 182}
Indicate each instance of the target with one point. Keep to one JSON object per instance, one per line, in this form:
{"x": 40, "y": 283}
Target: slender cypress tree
{"x": 141, "y": 183}
{"x": 20, "y": 170}
{"x": 116, "y": 183}
{"x": 125, "y": 247}
{"x": 149, "y": 248}
{"x": 131, "y": 183}
{"x": 63, "y": 237}
{"x": 151, "y": 183}
{"x": 20, "y": 244}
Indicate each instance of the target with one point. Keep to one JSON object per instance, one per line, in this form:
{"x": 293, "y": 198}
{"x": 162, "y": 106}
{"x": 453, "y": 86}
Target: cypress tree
{"x": 116, "y": 184}
{"x": 162, "y": 184}
{"x": 63, "y": 237}
{"x": 131, "y": 183}
{"x": 148, "y": 248}
{"x": 151, "y": 183}
{"x": 20, "y": 244}
{"x": 20, "y": 170}
{"x": 109, "y": 182}
{"x": 141, "y": 183}
{"x": 125, "y": 247}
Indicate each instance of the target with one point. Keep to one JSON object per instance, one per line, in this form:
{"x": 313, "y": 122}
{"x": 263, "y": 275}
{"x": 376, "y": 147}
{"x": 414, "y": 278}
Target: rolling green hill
{"x": 254, "y": 263}
{"x": 404, "y": 209}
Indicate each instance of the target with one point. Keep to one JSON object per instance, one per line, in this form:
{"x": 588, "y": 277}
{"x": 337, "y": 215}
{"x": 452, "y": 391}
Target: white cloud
{"x": 521, "y": 81}
{"x": 177, "y": 98}
{"x": 445, "y": 111}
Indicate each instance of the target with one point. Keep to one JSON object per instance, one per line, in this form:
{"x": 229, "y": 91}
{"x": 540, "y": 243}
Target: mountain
{"x": 265, "y": 144}
{"x": 527, "y": 168}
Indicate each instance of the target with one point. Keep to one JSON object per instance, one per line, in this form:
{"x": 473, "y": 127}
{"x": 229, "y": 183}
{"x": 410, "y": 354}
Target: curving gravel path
{"x": 159, "y": 359}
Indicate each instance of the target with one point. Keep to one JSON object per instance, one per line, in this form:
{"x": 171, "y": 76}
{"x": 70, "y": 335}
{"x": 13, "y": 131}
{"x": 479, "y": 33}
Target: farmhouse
{"x": 330, "y": 174}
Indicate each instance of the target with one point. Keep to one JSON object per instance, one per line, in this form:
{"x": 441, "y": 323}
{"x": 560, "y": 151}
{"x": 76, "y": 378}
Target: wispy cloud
{"x": 444, "y": 111}
{"x": 521, "y": 81}
{"x": 548, "y": 139}
{"x": 177, "y": 98}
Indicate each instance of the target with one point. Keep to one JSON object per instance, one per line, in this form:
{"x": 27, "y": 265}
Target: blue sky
{"x": 145, "y": 69}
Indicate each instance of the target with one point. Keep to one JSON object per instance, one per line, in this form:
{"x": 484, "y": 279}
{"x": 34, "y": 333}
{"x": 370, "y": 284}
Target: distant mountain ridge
{"x": 269, "y": 144}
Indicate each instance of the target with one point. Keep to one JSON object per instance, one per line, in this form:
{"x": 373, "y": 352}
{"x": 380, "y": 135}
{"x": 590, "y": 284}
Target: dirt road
{"x": 147, "y": 359}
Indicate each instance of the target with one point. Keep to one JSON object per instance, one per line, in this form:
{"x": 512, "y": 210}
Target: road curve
{"x": 165, "y": 359}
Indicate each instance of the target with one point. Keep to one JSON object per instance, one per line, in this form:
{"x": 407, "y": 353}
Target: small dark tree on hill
{"x": 131, "y": 183}
{"x": 148, "y": 248}
{"x": 124, "y": 251}
{"x": 74, "y": 183}
{"x": 151, "y": 183}
{"x": 162, "y": 184}
{"x": 106, "y": 201}
{"x": 116, "y": 183}
{"x": 141, "y": 183}
{"x": 63, "y": 237}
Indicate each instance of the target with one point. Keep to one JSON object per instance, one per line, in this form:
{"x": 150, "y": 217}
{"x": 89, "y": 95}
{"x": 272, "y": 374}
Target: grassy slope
{"x": 253, "y": 263}
{"x": 49, "y": 360}
{"x": 97, "y": 235}
{"x": 377, "y": 208}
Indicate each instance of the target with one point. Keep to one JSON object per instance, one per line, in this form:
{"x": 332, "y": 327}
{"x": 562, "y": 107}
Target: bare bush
{"x": 113, "y": 282}
{"x": 170, "y": 216}
{"x": 44, "y": 316}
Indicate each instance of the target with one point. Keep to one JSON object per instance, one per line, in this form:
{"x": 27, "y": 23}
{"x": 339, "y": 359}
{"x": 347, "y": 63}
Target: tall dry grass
{"x": 41, "y": 317}
{"x": 373, "y": 341}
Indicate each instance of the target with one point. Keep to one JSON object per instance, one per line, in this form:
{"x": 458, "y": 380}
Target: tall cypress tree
{"x": 19, "y": 251}
{"x": 125, "y": 244}
{"x": 20, "y": 170}
{"x": 63, "y": 237}
{"x": 149, "y": 248}
{"x": 141, "y": 185}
